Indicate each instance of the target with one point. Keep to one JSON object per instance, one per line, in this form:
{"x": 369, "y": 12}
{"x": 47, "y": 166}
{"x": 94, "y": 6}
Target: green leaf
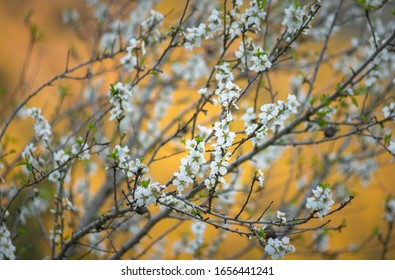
{"x": 313, "y": 100}
{"x": 387, "y": 139}
{"x": 324, "y": 186}
{"x": 91, "y": 126}
{"x": 199, "y": 139}
{"x": 145, "y": 183}
{"x": 202, "y": 195}
{"x": 261, "y": 4}
{"x": 262, "y": 233}
{"x": 354, "y": 101}
{"x": 376, "y": 231}
{"x": 63, "y": 91}
{"x": 113, "y": 91}
{"x": 80, "y": 141}
{"x": 113, "y": 155}
{"x": 22, "y": 163}
{"x": 263, "y": 83}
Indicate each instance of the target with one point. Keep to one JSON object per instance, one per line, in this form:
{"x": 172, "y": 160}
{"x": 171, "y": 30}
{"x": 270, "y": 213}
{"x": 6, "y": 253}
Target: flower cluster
{"x": 261, "y": 178}
{"x": 391, "y": 148}
{"x": 55, "y": 234}
{"x": 389, "y": 110}
{"x": 194, "y": 69}
{"x": 260, "y": 60}
{"x": 254, "y": 15}
{"x": 321, "y": 240}
{"x": 251, "y": 19}
{"x": 30, "y": 158}
{"x": 277, "y": 248}
{"x": 150, "y": 27}
{"x": 295, "y": 16}
{"x": 195, "y": 35}
{"x": 7, "y": 249}
{"x": 70, "y": 16}
{"x": 162, "y": 102}
{"x": 256, "y": 55}
{"x": 227, "y": 91}
{"x": 59, "y": 158}
{"x": 123, "y": 161}
{"x": 42, "y": 129}
{"x": 374, "y": 3}
{"x": 145, "y": 196}
{"x": 390, "y": 211}
{"x": 271, "y": 115}
{"x": 171, "y": 201}
{"x": 221, "y": 154}
{"x": 80, "y": 148}
{"x": 119, "y": 96}
{"x": 322, "y": 200}
{"x": 281, "y": 216}
{"x": 198, "y": 229}
{"x": 362, "y": 169}
{"x": 190, "y": 165}
{"x": 129, "y": 61}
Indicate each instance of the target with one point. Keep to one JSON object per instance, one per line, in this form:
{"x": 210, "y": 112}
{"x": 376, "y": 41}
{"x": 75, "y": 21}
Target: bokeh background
{"x": 48, "y": 59}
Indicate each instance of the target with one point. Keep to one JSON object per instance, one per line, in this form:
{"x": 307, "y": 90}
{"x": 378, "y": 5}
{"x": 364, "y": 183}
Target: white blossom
{"x": 81, "y": 150}
{"x": 198, "y": 229}
{"x": 295, "y": 16}
{"x": 321, "y": 202}
{"x": 109, "y": 42}
{"x": 150, "y": 26}
{"x": 55, "y": 234}
{"x": 60, "y": 157}
{"x": 254, "y": 15}
{"x": 261, "y": 178}
{"x": 29, "y": 156}
{"x": 281, "y": 216}
{"x": 390, "y": 211}
{"x": 277, "y": 248}
{"x": 374, "y": 3}
{"x": 194, "y": 69}
{"x": 119, "y": 96}
{"x": 389, "y": 110}
{"x": 169, "y": 200}
{"x": 362, "y": 169}
{"x": 123, "y": 161}
{"x": 145, "y": 196}
{"x": 214, "y": 21}
{"x": 70, "y": 16}
{"x": 321, "y": 240}
{"x": 227, "y": 91}
{"x": 271, "y": 116}
{"x": 194, "y": 36}
{"x": 391, "y": 148}
{"x": 129, "y": 61}
{"x": 7, "y": 249}
{"x": 42, "y": 128}
{"x": 190, "y": 165}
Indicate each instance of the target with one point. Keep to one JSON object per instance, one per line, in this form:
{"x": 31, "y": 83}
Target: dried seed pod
{"x": 330, "y": 131}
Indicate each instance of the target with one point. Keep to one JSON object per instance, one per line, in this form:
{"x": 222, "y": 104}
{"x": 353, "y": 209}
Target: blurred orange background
{"x": 49, "y": 58}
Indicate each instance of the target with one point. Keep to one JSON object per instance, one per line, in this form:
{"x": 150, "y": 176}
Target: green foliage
{"x": 36, "y": 35}
{"x": 324, "y": 186}
{"x": 261, "y": 233}
{"x": 113, "y": 154}
{"x": 387, "y": 139}
{"x": 63, "y": 91}
{"x": 145, "y": 183}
